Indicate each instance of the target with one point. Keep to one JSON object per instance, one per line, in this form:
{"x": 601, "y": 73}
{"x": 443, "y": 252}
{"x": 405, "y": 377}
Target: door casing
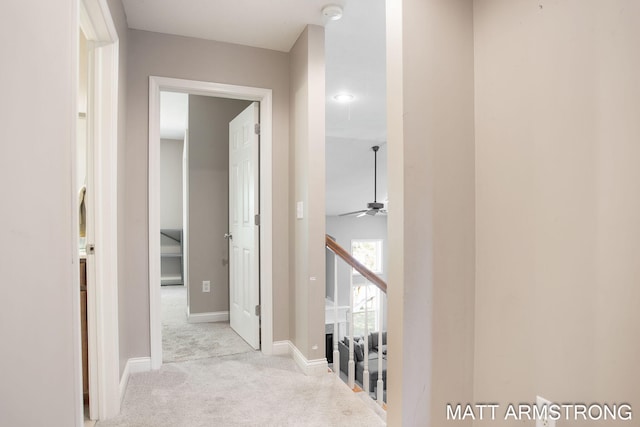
{"x": 102, "y": 295}
{"x": 219, "y": 90}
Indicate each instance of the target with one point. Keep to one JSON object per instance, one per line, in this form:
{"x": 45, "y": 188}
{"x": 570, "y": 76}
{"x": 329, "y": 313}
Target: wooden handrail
{"x": 334, "y": 247}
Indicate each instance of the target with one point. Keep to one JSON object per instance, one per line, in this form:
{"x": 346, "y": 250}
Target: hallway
{"x": 183, "y": 341}
{"x": 247, "y": 389}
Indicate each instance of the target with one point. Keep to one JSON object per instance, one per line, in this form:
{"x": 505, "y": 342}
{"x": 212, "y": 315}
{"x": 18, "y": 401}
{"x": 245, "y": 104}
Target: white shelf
{"x": 171, "y": 248}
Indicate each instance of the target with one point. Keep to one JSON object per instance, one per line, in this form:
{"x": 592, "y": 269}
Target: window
{"x": 366, "y": 295}
{"x": 369, "y": 253}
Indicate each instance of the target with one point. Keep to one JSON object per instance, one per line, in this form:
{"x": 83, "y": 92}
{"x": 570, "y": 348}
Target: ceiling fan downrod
{"x": 375, "y": 149}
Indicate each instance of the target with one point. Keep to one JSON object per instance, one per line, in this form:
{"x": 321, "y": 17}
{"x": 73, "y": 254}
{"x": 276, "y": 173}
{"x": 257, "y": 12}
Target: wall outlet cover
{"x": 545, "y": 421}
{"x": 206, "y": 286}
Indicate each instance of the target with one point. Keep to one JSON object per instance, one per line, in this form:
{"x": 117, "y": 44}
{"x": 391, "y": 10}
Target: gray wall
{"x": 558, "y": 202}
{"x": 188, "y": 58}
{"x": 41, "y": 354}
{"x": 171, "y": 151}
{"x": 431, "y": 224}
{"x": 209, "y": 200}
{"x": 307, "y": 97}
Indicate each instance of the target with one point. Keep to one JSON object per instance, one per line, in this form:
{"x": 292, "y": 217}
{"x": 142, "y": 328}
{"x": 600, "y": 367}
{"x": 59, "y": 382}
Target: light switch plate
{"x": 299, "y": 210}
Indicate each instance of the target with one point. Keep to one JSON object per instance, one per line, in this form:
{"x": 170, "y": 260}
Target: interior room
{"x": 194, "y": 204}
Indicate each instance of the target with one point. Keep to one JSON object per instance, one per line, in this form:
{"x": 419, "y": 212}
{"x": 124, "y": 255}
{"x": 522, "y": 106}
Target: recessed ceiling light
{"x": 343, "y": 97}
{"x": 332, "y": 12}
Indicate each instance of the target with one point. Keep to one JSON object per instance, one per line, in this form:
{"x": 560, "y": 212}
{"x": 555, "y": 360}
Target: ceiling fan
{"x": 375, "y": 207}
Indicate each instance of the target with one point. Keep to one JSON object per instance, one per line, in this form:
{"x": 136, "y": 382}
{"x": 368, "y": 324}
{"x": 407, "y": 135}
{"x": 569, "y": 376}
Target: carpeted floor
{"x": 247, "y": 389}
{"x": 190, "y": 341}
{"x": 215, "y": 379}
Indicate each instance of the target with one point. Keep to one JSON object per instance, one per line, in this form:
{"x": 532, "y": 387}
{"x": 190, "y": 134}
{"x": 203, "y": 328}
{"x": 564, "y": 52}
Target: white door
{"x": 244, "y": 285}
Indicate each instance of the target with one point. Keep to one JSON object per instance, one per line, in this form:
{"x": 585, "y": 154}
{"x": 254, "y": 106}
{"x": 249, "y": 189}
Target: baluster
{"x": 352, "y": 365}
{"x": 336, "y": 335}
{"x": 365, "y": 373}
{"x": 380, "y": 383}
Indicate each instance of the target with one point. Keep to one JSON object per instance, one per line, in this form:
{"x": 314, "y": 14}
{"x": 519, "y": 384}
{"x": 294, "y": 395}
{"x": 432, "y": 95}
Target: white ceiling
{"x": 260, "y": 23}
{"x": 355, "y": 63}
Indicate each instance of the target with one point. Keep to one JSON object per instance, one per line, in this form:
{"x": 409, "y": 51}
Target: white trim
{"x": 185, "y": 213}
{"x": 76, "y": 326}
{"x": 281, "y": 348}
{"x": 217, "y": 316}
{"x": 265, "y": 97}
{"x": 106, "y": 230}
{"x": 315, "y": 367}
{"x": 133, "y": 366}
{"x": 96, "y": 21}
{"x": 102, "y": 297}
{"x": 155, "y": 302}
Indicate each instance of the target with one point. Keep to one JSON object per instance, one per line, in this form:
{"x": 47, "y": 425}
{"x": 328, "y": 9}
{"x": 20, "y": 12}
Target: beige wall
{"x": 187, "y": 58}
{"x": 40, "y": 354}
{"x": 209, "y": 200}
{"x": 558, "y": 201}
{"x": 307, "y": 186}
{"x": 431, "y": 223}
{"x": 81, "y": 129}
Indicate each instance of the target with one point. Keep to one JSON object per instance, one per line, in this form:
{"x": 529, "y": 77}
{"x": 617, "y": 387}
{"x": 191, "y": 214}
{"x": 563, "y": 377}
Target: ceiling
{"x": 355, "y": 55}
{"x": 355, "y": 63}
{"x": 266, "y": 24}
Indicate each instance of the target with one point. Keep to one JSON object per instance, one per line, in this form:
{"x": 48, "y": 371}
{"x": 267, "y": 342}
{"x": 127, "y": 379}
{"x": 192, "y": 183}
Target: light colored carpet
{"x": 190, "y": 341}
{"x": 247, "y": 389}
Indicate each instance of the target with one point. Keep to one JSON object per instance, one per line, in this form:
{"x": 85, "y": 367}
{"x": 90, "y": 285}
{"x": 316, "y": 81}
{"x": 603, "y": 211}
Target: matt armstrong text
{"x": 531, "y": 411}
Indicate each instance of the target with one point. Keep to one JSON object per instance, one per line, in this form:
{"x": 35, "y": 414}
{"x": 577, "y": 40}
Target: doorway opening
{"x": 195, "y": 292}
{"x": 356, "y": 208}
{"x": 95, "y": 185}
{"x": 198, "y": 196}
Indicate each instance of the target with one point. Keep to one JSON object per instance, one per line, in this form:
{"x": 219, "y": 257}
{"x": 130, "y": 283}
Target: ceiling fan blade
{"x": 371, "y": 212}
{"x": 363, "y": 214}
{"x": 353, "y": 213}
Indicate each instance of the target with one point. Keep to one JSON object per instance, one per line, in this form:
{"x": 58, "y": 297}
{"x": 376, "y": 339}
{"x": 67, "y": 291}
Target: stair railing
{"x": 339, "y": 252}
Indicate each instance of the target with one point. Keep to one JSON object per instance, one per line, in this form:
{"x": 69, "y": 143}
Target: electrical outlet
{"x": 545, "y": 420}
{"x": 206, "y": 286}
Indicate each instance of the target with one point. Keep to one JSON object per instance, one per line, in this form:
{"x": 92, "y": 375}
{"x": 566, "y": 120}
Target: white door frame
{"x": 102, "y": 297}
{"x": 264, "y": 96}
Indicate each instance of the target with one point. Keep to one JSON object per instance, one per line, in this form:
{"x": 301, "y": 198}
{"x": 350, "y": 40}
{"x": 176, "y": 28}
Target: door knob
{"x": 228, "y": 236}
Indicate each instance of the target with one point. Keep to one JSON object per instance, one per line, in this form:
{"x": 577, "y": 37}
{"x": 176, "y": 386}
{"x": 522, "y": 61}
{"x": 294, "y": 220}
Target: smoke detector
{"x": 332, "y": 12}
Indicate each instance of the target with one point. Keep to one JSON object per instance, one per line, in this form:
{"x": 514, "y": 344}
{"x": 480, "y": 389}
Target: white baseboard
{"x": 281, "y": 348}
{"x": 313, "y": 367}
{"x": 134, "y": 365}
{"x": 218, "y": 316}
